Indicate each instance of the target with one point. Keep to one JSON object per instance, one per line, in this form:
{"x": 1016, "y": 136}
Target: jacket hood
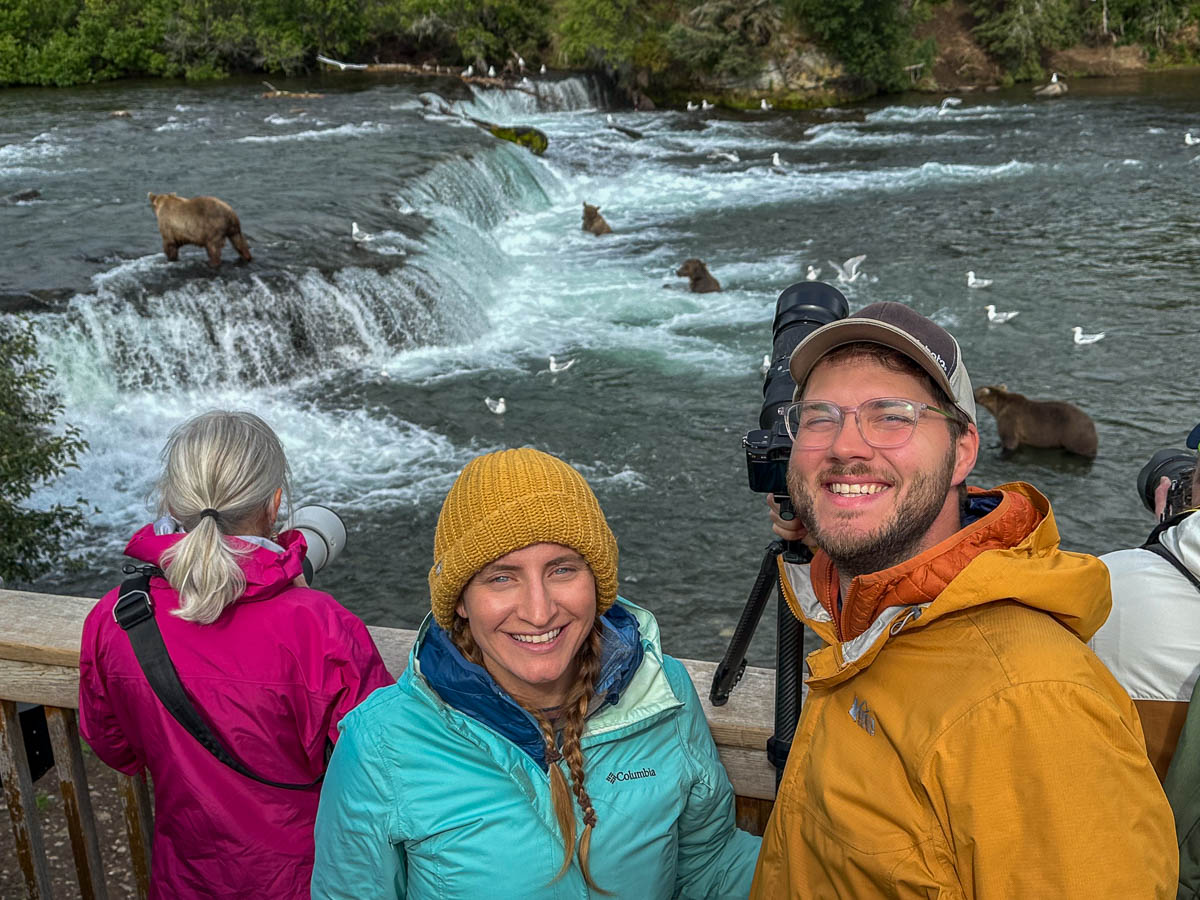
{"x": 984, "y": 562}
{"x": 471, "y": 690}
{"x": 266, "y": 571}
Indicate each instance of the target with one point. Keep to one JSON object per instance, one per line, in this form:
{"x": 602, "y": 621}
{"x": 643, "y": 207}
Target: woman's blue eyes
{"x": 504, "y": 577}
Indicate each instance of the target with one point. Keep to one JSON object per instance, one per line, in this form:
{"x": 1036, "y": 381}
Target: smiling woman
{"x": 531, "y": 671}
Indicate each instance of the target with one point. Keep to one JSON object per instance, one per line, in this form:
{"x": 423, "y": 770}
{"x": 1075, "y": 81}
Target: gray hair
{"x": 230, "y": 462}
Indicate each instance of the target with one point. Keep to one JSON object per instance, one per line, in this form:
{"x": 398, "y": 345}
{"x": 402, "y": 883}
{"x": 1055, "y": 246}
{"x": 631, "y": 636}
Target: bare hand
{"x": 1160, "y": 496}
{"x": 788, "y": 529}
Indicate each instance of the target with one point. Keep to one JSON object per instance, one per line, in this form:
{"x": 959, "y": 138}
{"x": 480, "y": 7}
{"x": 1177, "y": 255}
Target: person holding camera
{"x": 540, "y": 743}
{"x": 219, "y": 671}
{"x": 1149, "y": 641}
{"x": 959, "y": 738}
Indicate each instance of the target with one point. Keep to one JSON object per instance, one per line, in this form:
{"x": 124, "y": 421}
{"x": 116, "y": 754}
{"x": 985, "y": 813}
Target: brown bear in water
{"x": 699, "y": 279}
{"x": 1038, "y": 423}
{"x": 593, "y": 221}
{"x": 203, "y": 221}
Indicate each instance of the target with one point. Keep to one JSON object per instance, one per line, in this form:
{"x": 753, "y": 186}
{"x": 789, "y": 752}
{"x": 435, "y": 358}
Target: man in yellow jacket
{"x": 959, "y": 738}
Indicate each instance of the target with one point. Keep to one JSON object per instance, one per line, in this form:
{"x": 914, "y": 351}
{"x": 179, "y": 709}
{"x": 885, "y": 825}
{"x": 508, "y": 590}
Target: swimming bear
{"x": 593, "y": 221}
{"x": 203, "y": 221}
{"x": 1038, "y": 423}
{"x": 699, "y": 279}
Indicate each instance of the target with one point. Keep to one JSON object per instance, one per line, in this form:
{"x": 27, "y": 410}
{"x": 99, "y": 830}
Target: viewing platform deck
{"x": 39, "y": 663}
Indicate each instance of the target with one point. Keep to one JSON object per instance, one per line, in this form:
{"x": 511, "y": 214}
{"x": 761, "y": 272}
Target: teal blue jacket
{"x": 422, "y": 800}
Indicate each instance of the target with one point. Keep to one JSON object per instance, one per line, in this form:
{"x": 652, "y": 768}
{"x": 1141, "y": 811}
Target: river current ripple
{"x": 373, "y": 360}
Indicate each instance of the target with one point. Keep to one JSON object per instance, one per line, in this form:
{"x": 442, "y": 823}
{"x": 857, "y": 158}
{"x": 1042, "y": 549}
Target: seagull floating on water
{"x": 704, "y": 104}
{"x": 360, "y": 236}
{"x": 556, "y": 366}
{"x": 1189, "y": 140}
{"x": 766, "y": 364}
{"x": 764, "y": 105}
{"x": 496, "y": 406}
{"x": 691, "y": 106}
{"x": 1081, "y": 338}
{"x": 847, "y": 272}
{"x": 730, "y": 155}
{"x": 1000, "y": 317}
{"x": 777, "y": 163}
{"x": 543, "y": 69}
{"x": 813, "y": 273}
{"x": 973, "y": 282}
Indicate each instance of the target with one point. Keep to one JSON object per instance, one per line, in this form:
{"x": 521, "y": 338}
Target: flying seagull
{"x": 948, "y": 103}
{"x": 848, "y": 272}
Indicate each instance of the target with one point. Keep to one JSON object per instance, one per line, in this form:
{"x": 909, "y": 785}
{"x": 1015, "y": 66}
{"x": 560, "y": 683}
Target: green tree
{"x": 873, "y": 38}
{"x": 31, "y": 454}
{"x": 1018, "y": 31}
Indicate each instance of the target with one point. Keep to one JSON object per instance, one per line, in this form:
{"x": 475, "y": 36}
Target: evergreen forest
{"x": 657, "y": 46}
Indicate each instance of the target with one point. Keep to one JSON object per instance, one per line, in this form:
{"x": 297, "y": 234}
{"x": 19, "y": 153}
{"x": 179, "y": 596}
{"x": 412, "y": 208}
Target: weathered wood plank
{"x": 22, "y": 805}
{"x": 35, "y": 683}
{"x": 139, "y": 827}
{"x": 42, "y": 628}
{"x": 77, "y": 802}
{"x": 752, "y": 814}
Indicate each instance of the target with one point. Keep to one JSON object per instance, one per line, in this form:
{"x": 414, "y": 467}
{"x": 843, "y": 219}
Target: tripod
{"x": 789, "y": 676}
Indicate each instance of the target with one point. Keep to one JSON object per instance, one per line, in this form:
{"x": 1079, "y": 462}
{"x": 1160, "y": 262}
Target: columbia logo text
{"x": 614, "y": 777}
{"x": 861, "y": 714}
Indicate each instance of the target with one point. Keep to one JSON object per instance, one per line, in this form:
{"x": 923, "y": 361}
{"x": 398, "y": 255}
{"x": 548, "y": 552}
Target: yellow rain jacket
{"x": 959, "y": 738}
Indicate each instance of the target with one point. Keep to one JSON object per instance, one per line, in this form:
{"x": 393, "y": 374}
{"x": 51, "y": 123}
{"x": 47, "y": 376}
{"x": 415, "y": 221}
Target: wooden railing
{"x": 39, "y": 663}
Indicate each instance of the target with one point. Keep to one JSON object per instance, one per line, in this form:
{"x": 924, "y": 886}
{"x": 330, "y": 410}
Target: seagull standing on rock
{"x": 973, "y": 282}
{"x": 496, "y": 406}
{"x": 1000, "y": 317}
{"x": 542, "y": 71}
{"x": 491, "y": 71}
{"x": 468, "y": 71}
{"x": 360, "y": 236}
{"x": 1081, "y": 338}
{"x": 764, "y": 105}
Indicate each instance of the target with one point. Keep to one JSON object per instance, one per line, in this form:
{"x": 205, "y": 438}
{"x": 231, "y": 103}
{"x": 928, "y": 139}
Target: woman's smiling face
{"x": 530, "y": 612}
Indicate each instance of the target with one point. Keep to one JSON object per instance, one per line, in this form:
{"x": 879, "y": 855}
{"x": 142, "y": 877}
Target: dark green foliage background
{"x": 651, "y": 43}
{"x": 31, "y": 454}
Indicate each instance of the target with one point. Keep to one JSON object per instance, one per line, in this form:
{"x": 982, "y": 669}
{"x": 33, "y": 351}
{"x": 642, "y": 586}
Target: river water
{"x": 372, "y": 361}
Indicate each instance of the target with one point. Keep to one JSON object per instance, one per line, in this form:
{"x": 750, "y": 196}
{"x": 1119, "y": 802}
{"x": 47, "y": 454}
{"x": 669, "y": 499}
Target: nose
{"x": 537, "y": 605}
{"x": 849, "y": 442}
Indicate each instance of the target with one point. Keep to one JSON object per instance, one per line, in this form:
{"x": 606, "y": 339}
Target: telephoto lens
{"x": 801, "y": 309}
{"x": 1175, "y": 465}
{"x": 325, "y": 534}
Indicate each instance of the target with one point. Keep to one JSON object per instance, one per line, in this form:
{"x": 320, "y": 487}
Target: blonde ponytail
{"x": 220, "y": 475}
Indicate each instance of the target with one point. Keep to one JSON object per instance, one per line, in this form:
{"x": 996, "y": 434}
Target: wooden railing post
{"x": 22, "y": 806}
{"x": 139, "y": 826}
{"x": 77, "y": 802}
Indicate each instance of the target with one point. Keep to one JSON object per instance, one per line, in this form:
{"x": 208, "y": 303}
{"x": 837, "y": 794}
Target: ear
{"x": 1004, "y": 387}
{"x": 461, "y": 609}
{"x": 966, "y": 452}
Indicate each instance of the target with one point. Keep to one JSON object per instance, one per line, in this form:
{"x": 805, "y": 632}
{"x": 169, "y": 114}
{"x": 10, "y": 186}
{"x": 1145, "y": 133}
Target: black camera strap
{"x": 134, "y": 612}
{"x": 1154, "y": 545}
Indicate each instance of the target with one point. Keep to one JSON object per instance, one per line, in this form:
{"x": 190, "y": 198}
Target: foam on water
{"x": 317, "y": 134}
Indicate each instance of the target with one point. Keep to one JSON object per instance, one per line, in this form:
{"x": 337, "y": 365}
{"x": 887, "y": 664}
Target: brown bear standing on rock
{"x": 203, "y": 221}
{"x": 1038, "y": 423}
{"x": 699, "y": 279}
{"x": 593, "y": 221}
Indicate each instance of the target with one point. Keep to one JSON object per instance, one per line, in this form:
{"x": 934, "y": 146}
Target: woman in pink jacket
{"x": 269, "y": 663}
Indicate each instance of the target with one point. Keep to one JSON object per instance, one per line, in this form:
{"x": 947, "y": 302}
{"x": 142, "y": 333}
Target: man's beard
{"x": 896, "y": 539}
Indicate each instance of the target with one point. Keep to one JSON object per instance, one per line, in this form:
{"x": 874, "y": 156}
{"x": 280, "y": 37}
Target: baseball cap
{"x": 894, "y": 325}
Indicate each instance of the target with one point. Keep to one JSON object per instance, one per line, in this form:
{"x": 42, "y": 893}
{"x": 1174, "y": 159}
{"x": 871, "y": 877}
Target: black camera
{"x": 801, "y": 309}
{"x": 1176, "y": 465}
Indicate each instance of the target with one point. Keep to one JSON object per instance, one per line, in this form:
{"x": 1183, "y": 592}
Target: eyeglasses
{"x": 884, "y": 422}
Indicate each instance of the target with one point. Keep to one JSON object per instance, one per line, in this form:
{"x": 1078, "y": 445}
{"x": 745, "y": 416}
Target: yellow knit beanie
{"x": 508, "y": 500}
